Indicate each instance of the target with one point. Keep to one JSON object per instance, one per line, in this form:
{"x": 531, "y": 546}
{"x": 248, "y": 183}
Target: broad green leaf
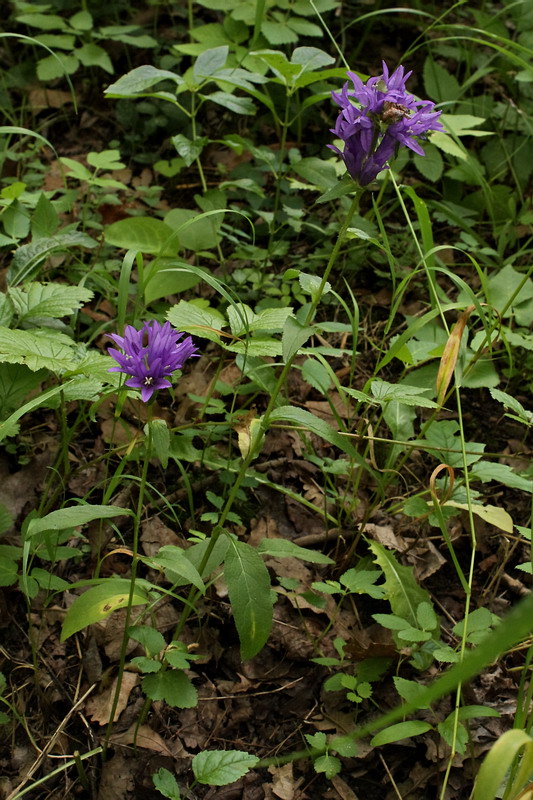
{"x": 166, "y": 784}
{"x": 200, "y": 235}
{"x": 9, "y": 571}
{"x": 485, "y": 471}
{"x": 403, "y": 730}
{"x": 317, "y": 375}
{"x": 235, "y": 103}
{"x": 46, "y": 22}
{"x": 284, "y": 548}
{"x": 92, "y": 55}
{"x": 73, "y": 516}
{"x": 430, "y": 165}
{"x": 147, "y": 234}
{"x": 408, "y": 690}
{"x": 162, "y": 280}
{"x": 310, "y": 284}
{"x": 45, "y": 219}
{"x": 318, "y": 172}
{"x": 28, "y": 257}
{"x": 171, "y": 685}
{"x": 220, "y": 767}
{"x": 188, "y": 149}
{"x": 492, "y": 514}
{"x": 294, "y": 336}
{"x": 440, "y": 86}
{"x": 152, "y": 641}
{"x": 37, "y": 349}
{"x": 402, "y": 591}
{"x": 16, "y": 381}
{"x": 82, "y": 21}
{"x": 248, "y": 585}
{"x": 160, "y": 436}
{"x": 191, "y": 318}
{"x": 174, "y": 560}
{"x": 48, "y": 299}
{"x": 329, "y": 765}
{"x": 105, "y": 160}
{"x": 52, "y": 67}
{"x": 444, "y": 435}
{"x": 139, "y": 80}
{"x": 210, "y": 61}
{"x": 98, "y": 602}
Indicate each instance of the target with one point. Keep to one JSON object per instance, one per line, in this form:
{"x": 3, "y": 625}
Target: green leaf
{"x": 105, "y": 160}
{"x": 46, "y": 22}
{"x": 235, "y": 103}
{"x": 138, "y": 80}
{"x": 48, "y": 300}
{"x": 310, "y": 284}
{"x": 317, "y": 375}
{"x": 160, "y": 435}
{"x": 198, "y": 235}
{"x": 485, "y": 471}
{"x": 402, "y": 590}
{"x": 52, "y": 67}
{"x": 278, "y": 33}
{"x": 294, "y": 336}
{"x": 284, "y": 548}
{"x": 173, "y": 686}
{"x": 37, "y": 349}
{"x": 28, "y": 257}
{"x": 220, "y": 767}
{"x": 73, "y": 516}
{"x": 98, "y": 602}
{"x": 16, "y": 381}
{"x": 82, "y": 21}
{"x": 344, "y": 746}
{"x": 146, "y": 234}
{"x": 45, "y": 219}
{"x": 92, "y": 55}
{"x": 300, "y": 416}
{"x": 329, "y": 765}
{"x": 191, "y": 318}
{"x": 8, "y": 571}
{"x": 248, "y": 585}
{"x": 444, "y": 434}
{"x": 188, "y": 149}
{"x": 409, "y": 690}
{"x": 162, "y": 280}
{"x": 210, "y": 61}
{"x": 166, "y": 784}
{"x": 439, "y": 84}
{"x": 431, "y": 165}
{"x": 402, "y": 730}
{"x": 152, "y": 641}
{"x": 175, "y": 560}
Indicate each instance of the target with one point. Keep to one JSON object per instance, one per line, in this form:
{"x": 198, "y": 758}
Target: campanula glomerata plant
{"x": 150, "y": 355}
{"x": 376, "y": 118}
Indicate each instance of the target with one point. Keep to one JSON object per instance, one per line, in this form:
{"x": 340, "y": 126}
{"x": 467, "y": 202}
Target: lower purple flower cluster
{"x": 378, "y": 117}
{"x": 150, "y": 355}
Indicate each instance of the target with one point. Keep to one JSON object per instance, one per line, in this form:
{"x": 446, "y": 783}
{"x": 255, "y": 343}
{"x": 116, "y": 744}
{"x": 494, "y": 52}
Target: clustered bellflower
{"x": 150, "y": 355}
{"x": 376, "y": 118}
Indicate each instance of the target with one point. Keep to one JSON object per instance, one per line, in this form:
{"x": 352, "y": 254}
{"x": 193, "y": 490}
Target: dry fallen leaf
{"x": 149, "y": 740}
{"x": 99, "y": 706}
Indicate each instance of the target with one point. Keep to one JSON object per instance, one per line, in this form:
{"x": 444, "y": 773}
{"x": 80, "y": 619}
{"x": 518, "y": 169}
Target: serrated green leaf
{"x": 37, "y": 349}
{"x": 329, "y": 765}
{"x": 220, "y": 767}
{"x": 16, "y": 381}
{"x": 28, "y": 257}
{"x": 176, "y": 562}
{"x": 45, "y": 219}
{"x": 98, "y": 602}
{"x": 248, "y": 585}
{"x": 191, "y": 318}
{"x": 48, "y": 300}
{"x": 317, "y": 375}
{"x": 8, "y": 571}
{"x": 171, "y": 685}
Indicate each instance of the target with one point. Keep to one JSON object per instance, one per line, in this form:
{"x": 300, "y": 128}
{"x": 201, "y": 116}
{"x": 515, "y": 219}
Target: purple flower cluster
{"x": 383, "y": 117}
{"x": 150, "y": 355}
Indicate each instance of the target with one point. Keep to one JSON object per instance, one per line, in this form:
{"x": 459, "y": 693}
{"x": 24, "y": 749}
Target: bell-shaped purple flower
{"x": 150, "y": 355}
{"x": 376, "y": 118}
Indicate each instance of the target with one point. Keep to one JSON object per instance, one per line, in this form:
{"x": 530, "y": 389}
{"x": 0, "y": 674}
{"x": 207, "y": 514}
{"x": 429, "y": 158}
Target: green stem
{"x": 134, "y": 563}
{"x": 193, "y": 592}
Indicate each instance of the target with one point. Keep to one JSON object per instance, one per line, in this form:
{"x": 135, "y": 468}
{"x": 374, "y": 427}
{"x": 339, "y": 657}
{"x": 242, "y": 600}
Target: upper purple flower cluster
{"x": 385, "y": 117}
{"x": 150, "y": 355}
